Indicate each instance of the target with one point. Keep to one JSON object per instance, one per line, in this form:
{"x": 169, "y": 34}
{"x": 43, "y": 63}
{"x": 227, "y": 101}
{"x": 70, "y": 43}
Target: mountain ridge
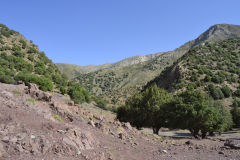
{"x": 133, "y": 72}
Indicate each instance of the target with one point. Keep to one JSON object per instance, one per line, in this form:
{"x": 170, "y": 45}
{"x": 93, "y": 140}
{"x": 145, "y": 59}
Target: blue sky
{"x": 100, "y": 31}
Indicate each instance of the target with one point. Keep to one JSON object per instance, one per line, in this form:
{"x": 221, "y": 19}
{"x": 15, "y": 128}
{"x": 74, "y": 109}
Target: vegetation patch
{"x": 57, "y": 117}
{"x": 31, "y": 100}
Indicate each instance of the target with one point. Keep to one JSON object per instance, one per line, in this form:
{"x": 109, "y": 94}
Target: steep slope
{"x": 21, "y": 61}
{"x": 213, "y": 67}
{"x": 119, "y": 80}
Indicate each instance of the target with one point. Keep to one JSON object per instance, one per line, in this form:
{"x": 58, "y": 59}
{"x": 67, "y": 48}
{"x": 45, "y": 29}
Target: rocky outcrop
{"x": 233, "y": 143}
{"x": 37, "y": 94}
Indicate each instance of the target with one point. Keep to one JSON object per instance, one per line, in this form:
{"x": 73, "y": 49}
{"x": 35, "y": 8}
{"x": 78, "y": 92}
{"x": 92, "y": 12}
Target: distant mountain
{"x": 117, "y": 81}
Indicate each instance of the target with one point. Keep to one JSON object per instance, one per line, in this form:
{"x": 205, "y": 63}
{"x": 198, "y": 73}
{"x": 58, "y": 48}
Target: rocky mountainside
{"x": 117, "y": 81}
{"x": 40, "y": 125}
{"x": 21, "y": 61}
{"x": 213, "y": 67}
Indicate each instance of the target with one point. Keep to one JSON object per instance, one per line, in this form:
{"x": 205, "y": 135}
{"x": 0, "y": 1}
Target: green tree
{"x": 146, "y": 109}
{"x": 195, "y": 111}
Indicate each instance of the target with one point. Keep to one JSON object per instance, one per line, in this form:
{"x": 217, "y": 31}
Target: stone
{"x": 164, "y": 151}
{"x": 100, "y": 118}
{"x": 220, "y": 152}
{"x": 61, "y": 131}
{"x": 91, "y": 123}
{"x": 121, "y": 136}
{"x": 5, "y": 139}
{"x": 233, "y": 143}
{"x": 33, "y": 137}
{"x": 71, "y": 103}
{"x": 189, "y": 143}
{"x": 127, "y": 126}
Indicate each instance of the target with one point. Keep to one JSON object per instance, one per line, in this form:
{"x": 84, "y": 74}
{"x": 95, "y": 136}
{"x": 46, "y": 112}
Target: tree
{"x": 146, "y": 109}
{"x": 235, "y": 111}
{"x": 195, "y": 111}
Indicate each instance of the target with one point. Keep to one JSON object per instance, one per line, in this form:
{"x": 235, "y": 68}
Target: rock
{"x": 189, "y": 143}
{"x": 164, "y": 151}
{"x": 91, "y": 123}
{"x": 220, "y": 152}
{"x": 233, "y": 143}
{"x": 61, "y": 131}
{"x": 20, "y": 82}
{"x": 100, "y": 118}
{"x": 127, "y": 126}
{"x": 121, "y": 136}
{"x": 33, "y": 137}
{"x": 82, "y": 140}
{"x": 6, "y": 139}
{"x": 37, "y": 94}
{"x": 71, "y": 103}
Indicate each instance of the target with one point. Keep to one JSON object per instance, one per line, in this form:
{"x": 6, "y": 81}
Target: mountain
{"x": 117, "y": 81}
{"x": 21, "y": 61}
{"x": 213, "y": 67}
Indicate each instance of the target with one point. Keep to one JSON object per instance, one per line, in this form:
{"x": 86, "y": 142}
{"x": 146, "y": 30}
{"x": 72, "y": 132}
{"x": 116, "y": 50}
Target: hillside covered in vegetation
{"x": 117, "y": 81}
{"x": 21, "y": 60}
{"x": 212, "y": 67}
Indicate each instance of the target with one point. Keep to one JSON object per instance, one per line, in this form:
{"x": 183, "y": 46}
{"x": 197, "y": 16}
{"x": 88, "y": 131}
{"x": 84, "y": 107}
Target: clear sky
{"x": 100, "y": 31}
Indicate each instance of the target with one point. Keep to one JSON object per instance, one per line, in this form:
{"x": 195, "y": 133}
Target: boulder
{"x": 233, "y": 143}
{"x": 127, "y": 126}
{"x": 37, "y": 94}
{"x": 71, "y": 103}
{"x": 81, "y": 140}
{"x": 91, "y": 123}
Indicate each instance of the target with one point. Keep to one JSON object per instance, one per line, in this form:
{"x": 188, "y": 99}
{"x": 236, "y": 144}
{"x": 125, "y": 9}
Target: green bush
{"x": 196, "y": 112}
{"x": 6, "y": 79}
{"x": 146, "y": 109}
{"x": 79, "y": 94}
{"x": 44, "y": 83}
{"x": 226, "y": 91}
{"x": 216, "y": 93}
{"x": 237, "y": 93}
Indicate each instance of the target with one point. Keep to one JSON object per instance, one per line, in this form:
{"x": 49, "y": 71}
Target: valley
{"x": 181, "y": 104}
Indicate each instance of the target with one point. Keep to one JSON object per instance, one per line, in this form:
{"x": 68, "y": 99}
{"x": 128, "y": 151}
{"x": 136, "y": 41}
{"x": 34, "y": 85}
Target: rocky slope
{"x": 117, "y": 81}
{"x": 41, "y": 125}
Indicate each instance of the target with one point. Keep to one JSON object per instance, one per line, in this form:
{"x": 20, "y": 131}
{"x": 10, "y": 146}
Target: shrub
{"x": 31, "y": 100}
{"x": 216, "y": 93}
{"x": 226, "y": 91}
{"x": 57, "y": 117}
{"x": 146, "y": 108}
{"x": 44, "y": 83}
{"x": 6, "y": 79}
{"x": 237, "y": 93}
{"x": 78, "y": 94}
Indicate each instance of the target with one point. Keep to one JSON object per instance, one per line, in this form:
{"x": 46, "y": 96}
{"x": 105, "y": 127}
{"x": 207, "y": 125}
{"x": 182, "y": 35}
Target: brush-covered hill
{"x": 114, "y": 82}
{"x": 213, "y": 67}
{"x": 21, "y": 60}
